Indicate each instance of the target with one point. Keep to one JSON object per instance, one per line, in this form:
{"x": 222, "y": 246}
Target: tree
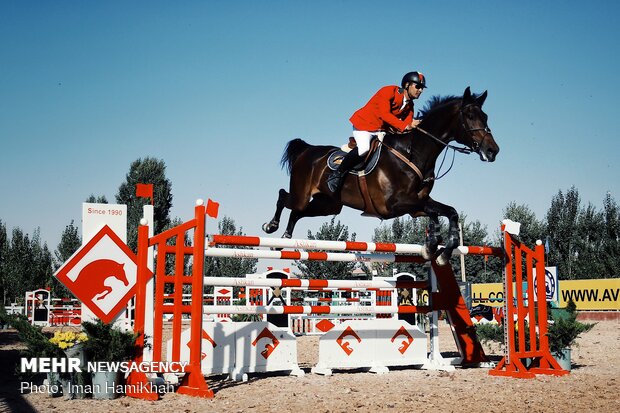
{"x": 70, "y": 241}
{"x": 28, "y": 265}
{"x": 97, "y": 200}
{"x": 145, "y": 171}
{"x": 563, "y": 232}
{"x": 478, "y": 268}
{"x": 588, "y": 261}
{"x": 18, "y": 265}
{"x": 610, "y": 251}
{"x": 229, "y": 267}
{"x": 402, "y": 230}
{"x": 328, "y": 269}
{"x": 4, "y": 249}
{"x": 43, "y": 265}
{"x": 531, "y": 228}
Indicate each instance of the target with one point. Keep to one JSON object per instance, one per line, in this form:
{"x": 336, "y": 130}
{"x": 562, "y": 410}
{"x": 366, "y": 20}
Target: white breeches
{"x": 362, "y": 138}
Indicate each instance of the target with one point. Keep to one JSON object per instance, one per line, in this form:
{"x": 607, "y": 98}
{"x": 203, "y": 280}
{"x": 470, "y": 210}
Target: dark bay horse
{"x": 403, "y": 178}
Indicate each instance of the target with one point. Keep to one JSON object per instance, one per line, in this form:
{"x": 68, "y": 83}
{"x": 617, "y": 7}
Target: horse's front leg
{"x": 434, "y": 209}
{"x": 433, "y": 237}
{"x": 107, "y": 290}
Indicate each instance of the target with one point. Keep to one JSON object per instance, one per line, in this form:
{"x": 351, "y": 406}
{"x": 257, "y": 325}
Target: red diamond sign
{"x": 102, "y": 274}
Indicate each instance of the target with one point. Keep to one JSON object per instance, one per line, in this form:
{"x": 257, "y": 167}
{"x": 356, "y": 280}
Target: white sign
{"x": 95, "y": 216}
{"x": 551, "y": 283}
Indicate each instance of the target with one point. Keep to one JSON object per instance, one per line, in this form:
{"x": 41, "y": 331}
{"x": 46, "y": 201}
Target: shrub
{"x": 490, "y": 332}
{"x": 564, "y": 331}
{"x": 109, "y": 343}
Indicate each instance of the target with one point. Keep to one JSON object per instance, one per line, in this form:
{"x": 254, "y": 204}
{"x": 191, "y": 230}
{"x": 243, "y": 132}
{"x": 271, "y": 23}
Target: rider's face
{"x": 413, "y": 91}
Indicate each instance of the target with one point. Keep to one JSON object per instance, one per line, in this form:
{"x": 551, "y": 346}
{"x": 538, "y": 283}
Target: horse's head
{"x": 475, "y": 132}
{"x": 120, "y": 274}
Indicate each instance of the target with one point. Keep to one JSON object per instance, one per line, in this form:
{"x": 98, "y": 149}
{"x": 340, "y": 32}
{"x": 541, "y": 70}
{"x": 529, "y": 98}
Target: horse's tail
{"x": 292, "y": 151}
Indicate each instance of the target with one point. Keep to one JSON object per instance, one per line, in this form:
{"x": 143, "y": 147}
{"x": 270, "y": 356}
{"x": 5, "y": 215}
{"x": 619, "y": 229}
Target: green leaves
{"x": 108, "y": 343}
{"x": 334, "y": 231}
{"x": 565, "y": 329}
{"x": 229, "y": 267}
{"x": 145, "y": 171}
{"x": 25, "y": 264}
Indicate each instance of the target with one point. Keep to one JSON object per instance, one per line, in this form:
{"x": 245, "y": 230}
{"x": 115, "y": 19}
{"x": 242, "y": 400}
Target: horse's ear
{"x": 480, "y": 99}
{"x": 466, "y": 96}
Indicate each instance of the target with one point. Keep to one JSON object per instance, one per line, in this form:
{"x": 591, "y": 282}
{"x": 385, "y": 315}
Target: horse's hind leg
{"x": 273, "y": 225}
{"x": 321, "y": 205}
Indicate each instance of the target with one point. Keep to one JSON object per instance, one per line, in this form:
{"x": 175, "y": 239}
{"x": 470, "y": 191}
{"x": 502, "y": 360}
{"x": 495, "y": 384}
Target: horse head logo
{"x": 345, "y": 345}
{"x": 270, "y": 347}
{"x": 91, "y": 281}
{"x": 205, "y": 337}
{"x": 402, "y": 331}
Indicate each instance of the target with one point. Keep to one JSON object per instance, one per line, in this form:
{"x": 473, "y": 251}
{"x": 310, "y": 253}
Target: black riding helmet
{"x": 414, "y": 77}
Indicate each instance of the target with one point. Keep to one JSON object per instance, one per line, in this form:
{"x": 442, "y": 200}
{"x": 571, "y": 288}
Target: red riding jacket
{"x": 384, "y": 109}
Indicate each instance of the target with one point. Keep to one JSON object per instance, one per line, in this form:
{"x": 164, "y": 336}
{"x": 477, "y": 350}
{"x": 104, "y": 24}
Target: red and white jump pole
{"x": 316, "y": 309}
{"x": 311, "y": 255}
{"x": 311, "y": 284}
{"x": 306, "y": 244}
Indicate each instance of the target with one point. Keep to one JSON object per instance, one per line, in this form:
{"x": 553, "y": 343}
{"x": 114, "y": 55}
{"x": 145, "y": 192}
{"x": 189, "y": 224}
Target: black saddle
{"x": 363, "y": 168}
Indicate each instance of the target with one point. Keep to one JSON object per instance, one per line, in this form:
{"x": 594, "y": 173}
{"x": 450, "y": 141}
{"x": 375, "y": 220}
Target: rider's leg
{"x": 336, "y": 179}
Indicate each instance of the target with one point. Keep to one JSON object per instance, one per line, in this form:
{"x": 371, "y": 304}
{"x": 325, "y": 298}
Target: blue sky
{"x": 217, "y": 88}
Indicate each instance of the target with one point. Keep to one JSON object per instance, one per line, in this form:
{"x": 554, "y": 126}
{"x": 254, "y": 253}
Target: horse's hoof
{"x": 287, "y": 235}
{"x": 452, "y": 243}
{"x": 443, "y": 258}
{"x": 270, "y": 227}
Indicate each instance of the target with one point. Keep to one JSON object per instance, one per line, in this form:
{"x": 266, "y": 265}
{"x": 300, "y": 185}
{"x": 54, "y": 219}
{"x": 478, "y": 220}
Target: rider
{"x": 391, "y": 107}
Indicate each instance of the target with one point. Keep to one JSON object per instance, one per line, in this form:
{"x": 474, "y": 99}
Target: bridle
{"x": 475, "y": 147}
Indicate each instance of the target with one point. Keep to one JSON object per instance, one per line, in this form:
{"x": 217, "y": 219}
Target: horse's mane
{"x": 435, "y": 102}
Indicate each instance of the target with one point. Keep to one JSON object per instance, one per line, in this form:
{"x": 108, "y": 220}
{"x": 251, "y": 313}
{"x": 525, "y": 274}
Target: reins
{"x": 410, "y": 164}
{"x": 461, "y": 149}
{"x": 455, "y": 149}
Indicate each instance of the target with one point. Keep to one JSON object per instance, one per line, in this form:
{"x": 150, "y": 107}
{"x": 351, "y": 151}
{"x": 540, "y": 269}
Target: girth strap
{"x": 369, "y": 207}
{"x": 406, "y": 161}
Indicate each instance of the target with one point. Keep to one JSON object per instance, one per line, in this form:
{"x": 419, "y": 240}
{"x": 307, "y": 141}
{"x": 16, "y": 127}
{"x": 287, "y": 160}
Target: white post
{"x": 462, "y": 256}
{"x": 435, "y": 359}
{"x": 147, "y": 355}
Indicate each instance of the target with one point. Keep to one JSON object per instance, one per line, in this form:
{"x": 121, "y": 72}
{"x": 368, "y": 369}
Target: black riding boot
{"x": 336, "y": 178}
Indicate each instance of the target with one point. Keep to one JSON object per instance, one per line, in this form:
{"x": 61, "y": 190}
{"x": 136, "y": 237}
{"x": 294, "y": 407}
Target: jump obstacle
{"x": 444, "y": 294}
{"x": 42, "y": 310}
{"x": 527, "y": 299}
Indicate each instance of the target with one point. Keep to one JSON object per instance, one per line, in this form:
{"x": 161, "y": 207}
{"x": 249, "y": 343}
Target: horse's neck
{"x": 422, "y": 149}
{"x": 425, "y": 150}
{"x": 430, "y": 147}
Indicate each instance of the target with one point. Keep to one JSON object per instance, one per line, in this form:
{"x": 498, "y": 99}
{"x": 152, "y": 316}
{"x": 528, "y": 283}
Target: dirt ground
{"x": 593, "y": 385}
